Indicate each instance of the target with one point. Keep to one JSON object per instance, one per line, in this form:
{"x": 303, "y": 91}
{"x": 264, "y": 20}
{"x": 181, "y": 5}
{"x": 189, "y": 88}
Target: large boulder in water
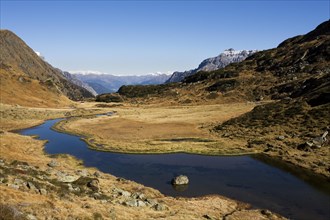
{"x": 180, "y": 180}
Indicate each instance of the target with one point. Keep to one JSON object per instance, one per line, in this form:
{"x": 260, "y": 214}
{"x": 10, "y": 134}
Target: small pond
{"x": 262, "y": 182}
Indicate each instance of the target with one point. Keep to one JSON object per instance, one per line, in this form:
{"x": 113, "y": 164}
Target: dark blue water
{"x": 241, "y": 177}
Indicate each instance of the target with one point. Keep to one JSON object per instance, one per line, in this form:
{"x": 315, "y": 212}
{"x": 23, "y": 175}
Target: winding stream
{"x": 258, "y": 181}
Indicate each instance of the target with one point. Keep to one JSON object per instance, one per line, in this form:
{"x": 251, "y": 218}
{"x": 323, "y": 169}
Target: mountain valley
{"x": 273, "y": 104}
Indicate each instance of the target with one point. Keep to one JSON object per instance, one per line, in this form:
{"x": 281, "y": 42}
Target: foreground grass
{"x": 23, "y": 158}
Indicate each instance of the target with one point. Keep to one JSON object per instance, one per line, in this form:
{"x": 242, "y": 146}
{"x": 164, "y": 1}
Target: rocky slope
{"x": 19, "y": 64}
{"x": 227, "y": 57}
{"x": 105, "y": 83}
{"x": 78, "y": 82}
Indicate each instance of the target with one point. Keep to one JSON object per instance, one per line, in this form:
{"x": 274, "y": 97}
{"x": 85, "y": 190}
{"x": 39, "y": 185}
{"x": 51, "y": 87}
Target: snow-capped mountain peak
{"x": 225, "y": 58}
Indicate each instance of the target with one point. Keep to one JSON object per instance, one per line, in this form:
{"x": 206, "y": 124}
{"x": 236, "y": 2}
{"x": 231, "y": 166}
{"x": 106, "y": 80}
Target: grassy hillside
{"x": 296, "y": 67}
{"x": 26, "y": 79}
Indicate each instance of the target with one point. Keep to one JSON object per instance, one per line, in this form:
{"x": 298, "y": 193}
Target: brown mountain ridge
{"x": 28, "y": 80}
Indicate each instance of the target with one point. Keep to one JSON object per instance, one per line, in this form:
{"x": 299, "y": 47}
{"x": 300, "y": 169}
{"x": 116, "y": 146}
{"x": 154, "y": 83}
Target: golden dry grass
{"x": 159, "y": 129}
{"x": 14, "y": 117}
{"x": 17, "y": 88}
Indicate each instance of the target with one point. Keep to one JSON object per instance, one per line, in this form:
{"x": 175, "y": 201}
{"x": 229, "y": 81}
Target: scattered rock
{"x": 94, "y": 185}
{"x": 86, "y": 206}
{"x": 160, "y": 207}
{"x": 141, "y": 203}
{"x": 266, "y": 212}
{"x": 82, "y": 173}
{"x": 103, "y": 201}
{"x": 131, "y": 203}
{"x": 97, "y": 174}
{"x": 317, "y": 142}
{"x": 122, "y": 192}
{"x": 138, "y": 195}
{"x": 67, "y": 179}
{"x": 43, "y": 191}
{"x": 18, "y": 182}
{"x": 120, "y": 179}
{"x": 31, "y": 186}
{"x": 31, "y": 217}
{"x": 180, "y": 180}
{"x": 53, "y": 163}
{"x": 14, "y": 186}
{"x": 49, "y": 171}
{"x": 96, "y": 195}
{"x": 280, "y": 138}
{"x": 152, "y": 202}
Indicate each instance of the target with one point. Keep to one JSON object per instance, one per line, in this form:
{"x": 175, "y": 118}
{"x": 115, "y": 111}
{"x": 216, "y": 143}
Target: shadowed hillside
{"x": 26, "y": 79}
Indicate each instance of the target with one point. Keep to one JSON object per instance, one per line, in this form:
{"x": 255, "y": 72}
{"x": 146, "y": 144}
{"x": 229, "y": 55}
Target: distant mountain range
{"x": 227, "y": 57}
{"x": 107, "y": 83}
{"x": 72, "y": 78}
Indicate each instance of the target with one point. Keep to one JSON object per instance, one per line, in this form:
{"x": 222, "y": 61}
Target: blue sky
{"x": 139, "y": 37}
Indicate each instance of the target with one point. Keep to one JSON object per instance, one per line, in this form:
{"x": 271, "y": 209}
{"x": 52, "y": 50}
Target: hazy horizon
{"x": 141, "y": 37}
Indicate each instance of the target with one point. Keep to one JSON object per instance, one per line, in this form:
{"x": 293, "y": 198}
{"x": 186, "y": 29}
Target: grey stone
{"x": 13, "y": 186}
{"x": 53, "y": 163}
{"x": 141, "y": 203}
{"x": 18, "y": 181}
{"x": 43, "y": 191}
{"x": 318, "y": 141}
{"x": 122, "y": 192}
{"x": 138, "y": 195}
{"x": 70, "y": 188}
{"x": 67, "y": 179}
{"x": 97, "y": 174}
{"x": 94, "y": 185}
{"x": 97, "y": 195}
{"x": 87, "y": 206}
{"x": 281, "y": 138}
{"x": 180, "y": 180}
{"x": 309, "y": 144}
{"x": 266, "y": 212}
{"x": 160, "y": 207}
{"x": 152, "y": 202}
{"x": 131, "y": 203}
{"x": 31, "y": 217}
{"x": 83, "y": 173}
{"x": 31, "y": 186}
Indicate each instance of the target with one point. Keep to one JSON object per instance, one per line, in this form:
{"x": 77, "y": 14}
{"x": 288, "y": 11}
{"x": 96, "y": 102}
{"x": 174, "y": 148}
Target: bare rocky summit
{"x": 227, "y": 57}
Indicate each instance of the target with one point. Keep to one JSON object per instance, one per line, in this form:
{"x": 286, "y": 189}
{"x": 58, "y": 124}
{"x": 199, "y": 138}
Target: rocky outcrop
{"x": 180, "y": 180}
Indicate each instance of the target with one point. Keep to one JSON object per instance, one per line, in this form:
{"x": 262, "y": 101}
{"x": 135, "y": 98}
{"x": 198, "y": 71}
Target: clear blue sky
{"x": 138, "y": 37}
